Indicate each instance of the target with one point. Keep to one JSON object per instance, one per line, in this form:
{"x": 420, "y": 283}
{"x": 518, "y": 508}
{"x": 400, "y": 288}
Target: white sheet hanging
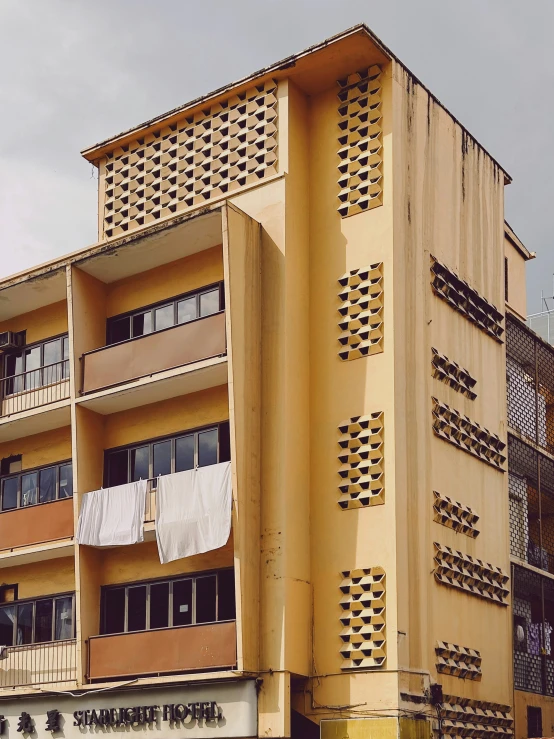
{"x": 193, "y": 511}
{"x": 114, "y": 516}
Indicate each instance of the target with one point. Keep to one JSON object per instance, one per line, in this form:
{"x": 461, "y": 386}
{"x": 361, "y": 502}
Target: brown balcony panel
{"x": 164, "y": 651}
{"x": 36, "y": 524}
{"x": 173, "y": 347}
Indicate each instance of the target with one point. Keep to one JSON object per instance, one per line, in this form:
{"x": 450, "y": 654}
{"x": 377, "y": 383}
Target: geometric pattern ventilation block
{"x": 458, "y": 661}
{"x": 452, "y": 426}
{"x": 468, "y": 717}
{"x": 361, "y": 461}
{"x": 361, "y": 311}
{"x": 363, "y": 618}
{"x": 458, "y": 570}
{"x": 205, "y": 155}
{"x": 360, "y": 142}
{"x": 452, "y": 374}
{"x": 465, "y": 300}
{"x": 454, "y": 515}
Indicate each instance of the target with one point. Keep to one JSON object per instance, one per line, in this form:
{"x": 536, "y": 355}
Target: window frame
{"x": 151, "y": 442}
{"x": 64, "y": 363}
{"x": 193, "y": 576}
{"x": 152, "y": 307}
{"x": 37, "y": 470}
{"x": 25, "y": 601}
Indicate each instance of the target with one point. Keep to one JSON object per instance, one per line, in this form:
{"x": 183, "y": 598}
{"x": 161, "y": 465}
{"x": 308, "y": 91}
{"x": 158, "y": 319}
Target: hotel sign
{"x": 218, "y": 709}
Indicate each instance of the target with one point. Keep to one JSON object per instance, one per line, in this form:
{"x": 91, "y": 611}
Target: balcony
{"x": 37, "y": 387}
{"x": 36, "y": 524}
{"x": 163, "y": 350}
{"x": 163, "y": 651}
{"x": 38, "y": 664}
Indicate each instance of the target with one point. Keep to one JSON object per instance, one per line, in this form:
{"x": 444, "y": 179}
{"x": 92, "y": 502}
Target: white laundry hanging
{"x": 193, "y": 511}
{"x": 113, "y": 516}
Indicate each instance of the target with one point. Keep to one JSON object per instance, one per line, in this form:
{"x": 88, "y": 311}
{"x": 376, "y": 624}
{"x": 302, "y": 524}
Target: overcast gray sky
{"x": 78, "y": 71}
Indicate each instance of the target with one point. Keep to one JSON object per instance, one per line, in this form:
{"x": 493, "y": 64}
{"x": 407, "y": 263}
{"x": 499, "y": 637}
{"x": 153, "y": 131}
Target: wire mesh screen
{"x": 533, "y": 614}
{"x": 530, "y": 382}
{"x": 531, "y": 498}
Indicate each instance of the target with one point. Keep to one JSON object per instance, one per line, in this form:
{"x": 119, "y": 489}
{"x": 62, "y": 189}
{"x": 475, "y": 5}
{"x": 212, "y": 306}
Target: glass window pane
{"x": 119, "y": 330}
{"x": 162, "y": 458}
{"x": 32, "y": 365}
{"x": 142, "y": 324}
{"x": 14, "y": 366}
{"x": 184, "y": 453}
{"x": 209, "y": 302}
{"x": 47, "y": 485}
{"x": 7, "y": 617}
{"x": 29, "y": 488}
{"x": 164, "y": 316}
{"x": 186, "y": 310}
{"x": 66, "y": 481}
{"x": 140, "y": 463}
{"x": 159, "y": 605}
{"x": 182, "y": 602}
{"x": 114, "y": 611}
{"x": 52, "y": 352}
{"x": 9, "y": 493}
{"x": 118, "y": 473}
{"x": 63, "y": 624}
{"x": 207, "y": 447}
{"x": 65, "y": 366}
{"x": 25, "y": 623}
{"x": 136, "y": 608}
{"x": 226, "y": 595}
{"x": 43, "y": 620}
{"x": 205, "y": 599}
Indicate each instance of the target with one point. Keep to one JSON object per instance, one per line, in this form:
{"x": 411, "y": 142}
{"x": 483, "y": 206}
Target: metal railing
{"x": 38, "y": 664}
{"x": 34, "y": 388}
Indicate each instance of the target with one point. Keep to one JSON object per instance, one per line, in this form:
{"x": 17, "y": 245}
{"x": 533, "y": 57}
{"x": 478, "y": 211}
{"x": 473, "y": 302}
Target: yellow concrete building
{"x": 305, "y": 274}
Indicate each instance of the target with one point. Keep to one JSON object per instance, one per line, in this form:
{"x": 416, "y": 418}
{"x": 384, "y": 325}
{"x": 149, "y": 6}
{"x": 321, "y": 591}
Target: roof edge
{"x": 516, "y": 242}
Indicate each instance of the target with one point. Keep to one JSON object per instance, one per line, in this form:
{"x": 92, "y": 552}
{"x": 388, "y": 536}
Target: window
{"x": 149, "y": 460}
{"x": 534, "y": 722}
{"x": 44, "y": 363}
{"x": 183, "y": 601}
{"x": 36, "y": 621}
{"x": 44, "y": 485}
{"x": 167, "y": 314}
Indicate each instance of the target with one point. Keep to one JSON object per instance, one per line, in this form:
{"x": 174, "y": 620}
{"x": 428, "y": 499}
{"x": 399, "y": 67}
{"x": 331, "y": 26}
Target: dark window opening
{"x": 534, "y": 722}
{"x": 37, "y": 621}
{"x": 147, "y": 461}
{"x": 184, "y": 601}
{"x": 31, "y": 487}
{"x": 169, "y": 313}
{"x": 38, "y": 365}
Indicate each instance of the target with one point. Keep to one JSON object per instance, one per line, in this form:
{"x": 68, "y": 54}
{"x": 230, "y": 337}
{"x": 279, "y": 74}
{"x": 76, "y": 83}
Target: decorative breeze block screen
{"x": 467, "y": 301}
{"x": 450, "y": 425}
{"x": 455, "y": 516}
{"x": 360, "y": 142}
{"x": 363, "y": 618}
{"x": 361, "y": 311}
{"x": 467, "y": 717}
{"x": 458, "y": 661}
{"x": 203, "y": 156}
{"x": 459, "y": 570}
{"x": 452, "y": 374}
{"x": 362, "y": 461}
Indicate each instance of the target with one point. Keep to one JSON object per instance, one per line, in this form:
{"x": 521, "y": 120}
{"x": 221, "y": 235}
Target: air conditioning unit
{"x": 11, "y": 340}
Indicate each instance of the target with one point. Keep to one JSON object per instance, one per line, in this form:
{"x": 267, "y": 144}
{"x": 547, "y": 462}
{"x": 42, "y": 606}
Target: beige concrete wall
{"x": 517, "y": 292}
{"x": 40, "y": 449}
{"x": 41, "y": 578}
{"x": 51, "y": 320}
{"x": 454, "y": 212}
{"x": 545, "y": 703}
{"x": 168, "y": 417}
{"x": 167, "y": 281}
